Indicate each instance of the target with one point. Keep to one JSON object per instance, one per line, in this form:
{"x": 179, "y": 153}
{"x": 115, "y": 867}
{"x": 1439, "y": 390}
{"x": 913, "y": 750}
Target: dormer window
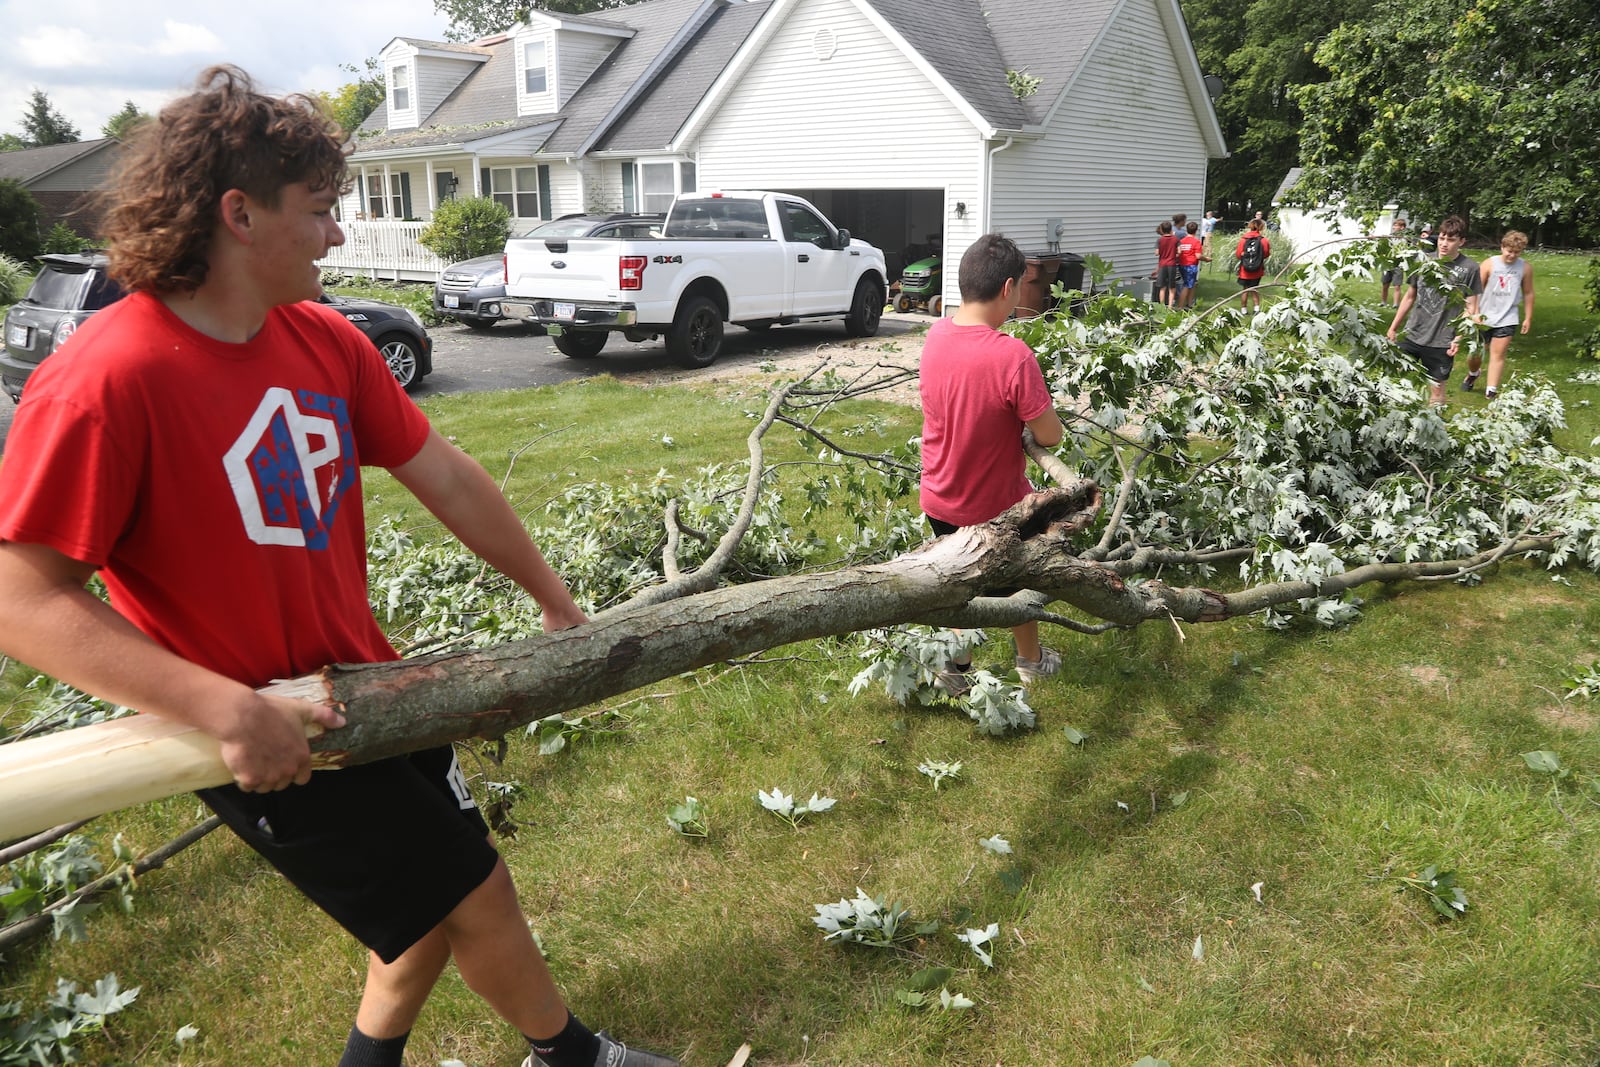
{"x": 400, "y": 90}
{"x": 535, "y": 76}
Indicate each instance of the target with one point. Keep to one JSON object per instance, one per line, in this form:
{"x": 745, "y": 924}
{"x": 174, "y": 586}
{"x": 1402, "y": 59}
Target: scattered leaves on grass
{"x": 1439, "y": 889}
{"x": 688, "y": 818}
{"x": 996, "y": 844}
{"x": 981, "y": 942}
{"x": 868, "y": 921}
{"x": 784, "y": 807}
{"x": 1075, "y": 735}
{"x": 939, "y": 770}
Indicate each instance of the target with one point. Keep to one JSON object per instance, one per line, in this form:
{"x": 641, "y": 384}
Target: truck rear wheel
{"x": 866, "y": 309}
{"x": 696, "y": 334}
{"x": 580, "y": 344}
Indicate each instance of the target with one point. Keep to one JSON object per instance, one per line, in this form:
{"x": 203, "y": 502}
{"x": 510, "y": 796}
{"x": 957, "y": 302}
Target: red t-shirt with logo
{"x": 1189, "y": 248}
{"x": 979, "y": 386}
{"x": 216, "y": 486}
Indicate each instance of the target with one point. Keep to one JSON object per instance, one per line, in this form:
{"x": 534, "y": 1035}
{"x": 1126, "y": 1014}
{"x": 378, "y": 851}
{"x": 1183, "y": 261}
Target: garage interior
{"x": 907, "y": 224}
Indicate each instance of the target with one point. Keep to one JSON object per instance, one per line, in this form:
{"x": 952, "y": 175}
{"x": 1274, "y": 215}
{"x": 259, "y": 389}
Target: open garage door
{"x": 908, "y": 224}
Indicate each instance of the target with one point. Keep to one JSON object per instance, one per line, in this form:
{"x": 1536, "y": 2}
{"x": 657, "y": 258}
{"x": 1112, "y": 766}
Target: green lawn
{"x": 1323, "y": 765}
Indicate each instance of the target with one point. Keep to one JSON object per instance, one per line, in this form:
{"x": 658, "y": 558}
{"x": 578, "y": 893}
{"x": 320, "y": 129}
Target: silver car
{"x": 470, "y": 292}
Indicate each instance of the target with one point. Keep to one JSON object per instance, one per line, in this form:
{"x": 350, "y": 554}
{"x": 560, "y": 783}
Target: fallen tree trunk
{"x": 412, "y": 704}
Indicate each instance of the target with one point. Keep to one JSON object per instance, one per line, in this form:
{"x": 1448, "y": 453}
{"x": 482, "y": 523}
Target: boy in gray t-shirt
{"x": 1429, "y": 312}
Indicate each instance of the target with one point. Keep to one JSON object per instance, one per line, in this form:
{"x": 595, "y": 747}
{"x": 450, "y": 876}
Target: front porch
{"x": 384, "y": 250}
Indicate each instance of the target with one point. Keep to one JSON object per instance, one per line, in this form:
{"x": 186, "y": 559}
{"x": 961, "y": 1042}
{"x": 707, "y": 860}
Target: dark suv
{"x": 470, "y": 292}
{"x": 71, "y": 287}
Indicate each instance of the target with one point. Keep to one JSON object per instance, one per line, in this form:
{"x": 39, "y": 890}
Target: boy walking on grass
{"x": 199, "y": 444}
{"x": 980, "y": 388}
{"x": 1430, "y": 312}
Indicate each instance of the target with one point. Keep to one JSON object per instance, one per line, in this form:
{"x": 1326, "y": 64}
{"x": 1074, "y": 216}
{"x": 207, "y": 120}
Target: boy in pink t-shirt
{"x": 980, "y": 388}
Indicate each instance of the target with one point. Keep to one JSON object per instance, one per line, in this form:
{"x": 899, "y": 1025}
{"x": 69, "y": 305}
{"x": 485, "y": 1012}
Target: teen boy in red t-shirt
{"x": 980, "y": 388}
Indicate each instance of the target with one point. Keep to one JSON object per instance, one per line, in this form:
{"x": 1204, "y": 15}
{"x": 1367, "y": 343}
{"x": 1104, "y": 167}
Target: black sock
{"x": 575, "y": 1046}
{"x": 363, "y": 1051}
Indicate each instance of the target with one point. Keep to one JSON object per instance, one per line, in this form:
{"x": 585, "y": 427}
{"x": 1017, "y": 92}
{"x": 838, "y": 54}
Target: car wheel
{"x": 400, "y": 353}
{"x": 580, "y": 344}
{"x": 866, "y": 310}
{"x": 696, "y": 334}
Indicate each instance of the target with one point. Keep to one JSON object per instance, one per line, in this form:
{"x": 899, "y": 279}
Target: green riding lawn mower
{"x": 921, "y": 287}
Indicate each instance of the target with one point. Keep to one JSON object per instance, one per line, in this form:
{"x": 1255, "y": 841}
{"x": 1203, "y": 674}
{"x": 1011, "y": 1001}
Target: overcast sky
{"x": 89, "y": 56}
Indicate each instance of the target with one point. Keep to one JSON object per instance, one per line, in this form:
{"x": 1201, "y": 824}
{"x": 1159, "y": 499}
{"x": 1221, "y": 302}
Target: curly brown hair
{"x": 161, "y": 208}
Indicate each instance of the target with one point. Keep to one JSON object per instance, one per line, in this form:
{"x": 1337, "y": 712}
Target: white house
{"x": 1315, "y": 232}
{"x": 1069, "y": 125}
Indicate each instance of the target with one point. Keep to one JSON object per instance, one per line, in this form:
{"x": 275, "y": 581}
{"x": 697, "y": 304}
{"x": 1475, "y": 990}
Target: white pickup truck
{"x": 753, "y": 259}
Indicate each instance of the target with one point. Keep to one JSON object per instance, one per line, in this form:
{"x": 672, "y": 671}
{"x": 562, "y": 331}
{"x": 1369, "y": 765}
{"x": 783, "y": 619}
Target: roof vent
{"x": 824, "y": 44}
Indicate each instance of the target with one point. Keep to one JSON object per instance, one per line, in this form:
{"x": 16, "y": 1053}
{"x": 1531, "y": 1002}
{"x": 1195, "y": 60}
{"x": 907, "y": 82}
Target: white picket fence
{"x": 387, "y": 250}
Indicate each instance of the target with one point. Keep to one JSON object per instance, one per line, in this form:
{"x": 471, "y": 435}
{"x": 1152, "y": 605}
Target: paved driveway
{"x": 511, "y": 357}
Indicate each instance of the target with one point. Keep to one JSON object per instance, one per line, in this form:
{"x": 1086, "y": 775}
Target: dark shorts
{"x": 942, "y": 528}
{"x": 1167, "y": 277}
{"x": 387, "y": 849}
{"x": 1499, "y": 331}
{"x": 1437, "y": 362}
{"x": 1394, "y": 277}
{"x": 1248, "y": 283}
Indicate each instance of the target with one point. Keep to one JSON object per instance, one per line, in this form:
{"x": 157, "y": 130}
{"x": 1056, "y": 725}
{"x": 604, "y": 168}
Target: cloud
{"x": 183, "y": 38}
{"x": 60, "y": 48}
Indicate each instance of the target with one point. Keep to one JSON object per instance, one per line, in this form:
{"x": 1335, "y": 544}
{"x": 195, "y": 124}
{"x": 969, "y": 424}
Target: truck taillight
{"x": 630, "y": 272}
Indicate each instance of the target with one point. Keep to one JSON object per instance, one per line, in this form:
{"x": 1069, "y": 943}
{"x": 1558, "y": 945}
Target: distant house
{"x": 1316, "y": 232}
{"x": 62, "y": 178}
{"x": 1070, "y": 125}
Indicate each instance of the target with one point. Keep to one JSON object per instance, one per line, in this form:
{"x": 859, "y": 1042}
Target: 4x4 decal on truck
{"x": 667, "y": 259}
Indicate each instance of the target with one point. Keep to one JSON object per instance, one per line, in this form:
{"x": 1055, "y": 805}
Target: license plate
{"x": 17, "y": 334}
{"x": 565, "y": 311}
{"x": 452, "y": 301}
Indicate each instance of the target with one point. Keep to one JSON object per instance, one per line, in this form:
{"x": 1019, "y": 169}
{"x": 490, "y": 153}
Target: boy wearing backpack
{"x": 1252, "y": 251}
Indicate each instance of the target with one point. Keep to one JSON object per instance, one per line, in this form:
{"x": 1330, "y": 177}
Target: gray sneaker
{"x": 1048, "y": 663}
{"x": 955, "y": 679}
{"x": 614, "y": 1053}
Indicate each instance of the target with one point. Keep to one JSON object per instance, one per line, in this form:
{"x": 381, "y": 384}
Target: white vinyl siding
{"x": 566, "y": 195}
{"x": 798, "y": 122}
{"x": 397, "y": 79}
{"x": 537, "y": 44}
{"x": 602, "y": 185}
{"x": 1124, "y": 152}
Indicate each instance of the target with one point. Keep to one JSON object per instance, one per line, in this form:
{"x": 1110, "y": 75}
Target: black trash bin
{"x": 1071, "y": 277}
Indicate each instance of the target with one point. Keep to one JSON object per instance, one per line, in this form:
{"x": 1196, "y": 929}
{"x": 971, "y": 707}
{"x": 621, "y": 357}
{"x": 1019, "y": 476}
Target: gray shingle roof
{"x": 1045, "y": 38}
{"x": 656, "y": 23}
{"x": 26, "y": 164}
{"x": 653, "y": 122}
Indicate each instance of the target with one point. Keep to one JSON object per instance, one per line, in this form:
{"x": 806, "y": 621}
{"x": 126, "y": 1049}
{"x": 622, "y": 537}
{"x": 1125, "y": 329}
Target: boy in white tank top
{"x": 1507, "y": 285}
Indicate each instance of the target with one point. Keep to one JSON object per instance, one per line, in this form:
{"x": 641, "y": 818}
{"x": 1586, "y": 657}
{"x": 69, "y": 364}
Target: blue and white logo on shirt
{"x": 291, "y": 467}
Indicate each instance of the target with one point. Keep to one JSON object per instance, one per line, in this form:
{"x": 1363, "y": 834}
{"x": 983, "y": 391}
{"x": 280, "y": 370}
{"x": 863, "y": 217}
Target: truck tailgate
{"x": 585, "y": 268}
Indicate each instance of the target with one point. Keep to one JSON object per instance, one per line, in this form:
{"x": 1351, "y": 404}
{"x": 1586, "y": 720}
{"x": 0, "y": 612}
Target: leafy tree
{"x": 20, "y": 221}
{"x": 1485, "y": 108}
{"x": 466, "y": 228}
{"x": 470, "y": 19}
{"x": 63, "y": 238}
{"x": 10, "y": 142}
{"x": 43, "y": 125}
{"x": 1263, "y": 51}
{"x": 122, "y": 123}
{"x": 352, "y": 102}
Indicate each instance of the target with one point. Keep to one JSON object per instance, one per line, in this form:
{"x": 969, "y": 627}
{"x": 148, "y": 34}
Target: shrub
{"x": 1590, "y": 345}
{"x": 62, "y": 238}
{"x": 20, "y": 217}
{"x": 466, "y": 228}
{"x": 15, "y": 277}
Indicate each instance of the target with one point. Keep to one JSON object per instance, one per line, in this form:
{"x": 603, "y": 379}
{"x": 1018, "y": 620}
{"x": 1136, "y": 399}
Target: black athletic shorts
{"x": 387, "y": 849}
{"x": 1249, "y": 283}
{"x": 1490, "y": 332}
{"x": 1437, "y": 362}
{"x": 942, "y": 528}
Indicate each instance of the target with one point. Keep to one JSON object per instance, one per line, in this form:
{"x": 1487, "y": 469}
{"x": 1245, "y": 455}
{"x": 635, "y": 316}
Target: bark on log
{"x": 411, "y": 704}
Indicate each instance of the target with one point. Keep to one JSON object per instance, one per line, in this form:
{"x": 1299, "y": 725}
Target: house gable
{"x": 420, "y": 75}
{"x": 555, "y": 56}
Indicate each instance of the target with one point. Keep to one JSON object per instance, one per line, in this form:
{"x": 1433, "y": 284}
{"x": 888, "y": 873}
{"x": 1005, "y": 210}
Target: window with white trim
{"x": 517, "y": 188}
{"x": 535, "y": 73}
{"x": 385, "y": 207}
{"x": 400, "y": 88}
{"x": 658, "y": 183}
